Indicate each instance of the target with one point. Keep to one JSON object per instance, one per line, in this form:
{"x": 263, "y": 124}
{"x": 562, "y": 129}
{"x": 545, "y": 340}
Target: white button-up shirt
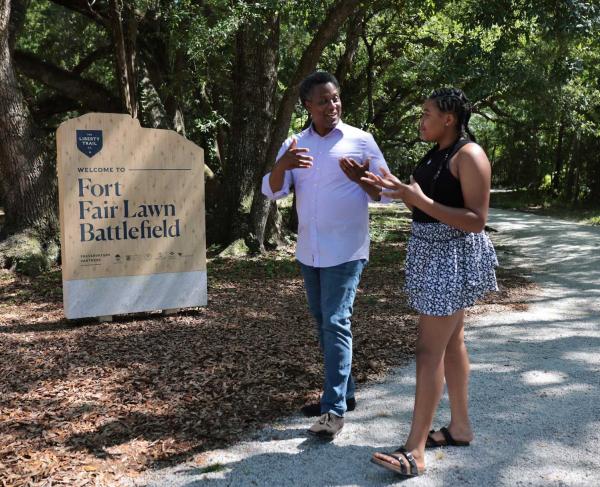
{"x": 333, "y": 214}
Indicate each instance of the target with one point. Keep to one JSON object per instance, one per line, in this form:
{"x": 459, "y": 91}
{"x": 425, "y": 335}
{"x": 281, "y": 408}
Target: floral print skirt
{"x": 448, "y": 269}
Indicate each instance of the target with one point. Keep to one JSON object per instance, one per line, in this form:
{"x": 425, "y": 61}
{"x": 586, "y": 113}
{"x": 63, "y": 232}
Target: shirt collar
{"x": 341, "y": 126}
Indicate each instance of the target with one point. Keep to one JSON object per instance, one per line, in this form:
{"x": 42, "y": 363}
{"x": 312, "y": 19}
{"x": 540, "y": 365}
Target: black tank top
{"x": 434, "y": 176}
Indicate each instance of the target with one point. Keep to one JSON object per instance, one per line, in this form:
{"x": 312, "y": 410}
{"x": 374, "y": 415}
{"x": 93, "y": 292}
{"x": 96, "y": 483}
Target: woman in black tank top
{"x": 437, "y": 181}
{"x": 450, "y": 264}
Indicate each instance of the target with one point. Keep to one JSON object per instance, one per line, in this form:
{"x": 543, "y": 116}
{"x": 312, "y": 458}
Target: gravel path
{"x": 535, "y": 398}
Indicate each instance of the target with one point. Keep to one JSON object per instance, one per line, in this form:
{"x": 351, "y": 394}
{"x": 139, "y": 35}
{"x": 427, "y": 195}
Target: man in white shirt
{"x": 324, "y": 163}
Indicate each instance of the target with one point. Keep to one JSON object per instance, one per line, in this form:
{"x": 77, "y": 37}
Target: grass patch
{"x": 389, "y": 224}
{"x": 275, "y": 265}
{"x": 594, "y": 220}
{"x": 217, "y": 467}
{"x": 542, "y": 204}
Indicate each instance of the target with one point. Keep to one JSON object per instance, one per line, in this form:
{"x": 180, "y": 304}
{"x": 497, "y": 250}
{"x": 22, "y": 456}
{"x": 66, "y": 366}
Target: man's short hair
{"x": 315, "y": 79}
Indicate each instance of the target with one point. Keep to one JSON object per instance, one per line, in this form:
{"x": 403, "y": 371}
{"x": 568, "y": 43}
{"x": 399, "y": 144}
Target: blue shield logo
{"x": 89, "y": 141}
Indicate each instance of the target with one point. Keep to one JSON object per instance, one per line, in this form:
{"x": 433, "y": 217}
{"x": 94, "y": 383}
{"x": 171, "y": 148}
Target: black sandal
{"x": 447, "y": 441}
{"x": 399, "y": 469}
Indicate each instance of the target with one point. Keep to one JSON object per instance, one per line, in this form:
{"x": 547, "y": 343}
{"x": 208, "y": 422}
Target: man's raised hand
{"x": 353, "y": 169}
{"x": 295, "y": 157}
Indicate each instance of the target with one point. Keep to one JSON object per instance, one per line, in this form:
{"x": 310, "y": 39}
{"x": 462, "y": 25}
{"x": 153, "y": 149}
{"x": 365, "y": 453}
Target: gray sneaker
{"x": 328, "y": 426}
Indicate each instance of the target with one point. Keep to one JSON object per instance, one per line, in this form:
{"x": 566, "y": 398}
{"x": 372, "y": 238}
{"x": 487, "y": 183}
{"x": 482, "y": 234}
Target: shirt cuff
{"x": 386, "y": 200}
{"x": 268, "y": 192}
{"x": 382, "y": 199}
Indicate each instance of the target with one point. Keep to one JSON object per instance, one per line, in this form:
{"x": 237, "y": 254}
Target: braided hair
{"x": 449, "y": 100}
{"x": 453, "y": 100}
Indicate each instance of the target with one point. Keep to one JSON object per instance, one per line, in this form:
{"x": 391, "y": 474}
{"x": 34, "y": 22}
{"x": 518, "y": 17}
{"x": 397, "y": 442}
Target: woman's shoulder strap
{"x": 458, "y": 146}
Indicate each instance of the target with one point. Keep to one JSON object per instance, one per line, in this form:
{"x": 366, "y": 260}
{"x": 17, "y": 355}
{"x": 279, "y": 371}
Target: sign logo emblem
{"x": 89, "y": 141}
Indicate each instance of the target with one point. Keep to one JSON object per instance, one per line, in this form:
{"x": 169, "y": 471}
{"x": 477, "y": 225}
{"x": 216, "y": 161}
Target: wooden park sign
{"x": 132, "y": 217}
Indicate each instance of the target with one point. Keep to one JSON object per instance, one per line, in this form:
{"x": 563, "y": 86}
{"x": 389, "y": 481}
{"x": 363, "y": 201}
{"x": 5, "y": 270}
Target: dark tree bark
{"x": 559, "y": 160}
{"x": 124, "y": 33}
{"x": 88, "y": 9}
{"x": 164, "y": 78}
{"x": 253, "y": 98}
{"x": 572, "y": 179}
{"x": 78, "y": 93}
{"x": 91, "y": 58}
{"x": 91, "y": 94}
{"x": 327, "y": 32}
{"x": 353, "y": 32}
{"x": 593, "y": 169}
{"x": 174, "y": 100}
{"x": 398, "y": 96}
{"x": 27, "y": 185}
{"x": 18, "y": 10}
{"x": 370, "y": 76}
{"x": 567, "y": 182}
{"x": 165, "y": 67}
{"x": 134, "y": 33}
{"x": 151, "y": 105}
{"x": 48, "y": 106}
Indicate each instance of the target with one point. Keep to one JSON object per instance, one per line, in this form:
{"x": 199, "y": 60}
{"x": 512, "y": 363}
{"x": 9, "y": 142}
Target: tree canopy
{"x": 225, "y": 74}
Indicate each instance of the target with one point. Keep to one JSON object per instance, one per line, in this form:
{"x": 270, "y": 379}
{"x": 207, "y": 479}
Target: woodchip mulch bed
{"x": 82, "y": 403}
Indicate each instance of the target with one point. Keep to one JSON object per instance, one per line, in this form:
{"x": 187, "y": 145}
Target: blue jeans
{"x": 330, "y": 292}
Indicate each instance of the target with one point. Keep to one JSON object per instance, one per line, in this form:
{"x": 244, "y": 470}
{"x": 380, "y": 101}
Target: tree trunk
{"x": 152, "y": 110}
{"x": 274, "y": 227}
{"x": 353, "y": 33}
{"x": 18, "y": 11}
{"x": 576, "y": 164}
{"x": 327, "y": 32}
{"x": 370, "y": 77}
{"x": 253, "y": 98}
{"x": 559, "y": 162}
{"x": 292, "y": 222}
{"x": 571, "y": 178}
{"x": 165, "y": 74}
{"x": 28, "y": 187}
{"x": 88, "y": 93}
{"x": 592, "y": 147}
{"x": 173, "y": 102}
{"x": 124, "y": 29}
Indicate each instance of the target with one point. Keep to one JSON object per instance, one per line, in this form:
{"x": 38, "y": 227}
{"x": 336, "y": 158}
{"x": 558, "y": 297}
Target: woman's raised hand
{"x": 388, "y": 181}
{"x": 391, "y": 187}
